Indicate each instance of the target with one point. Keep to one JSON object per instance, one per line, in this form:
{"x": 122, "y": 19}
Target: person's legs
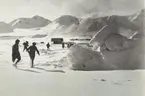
{"x": 47, "y": 48}
{"x": 18, "y": 59}
{"x": 32, "y": 56}
{"x": 32, "y": 63}
{"x": 13, "y": 57}
{"x": 31, "y": 59}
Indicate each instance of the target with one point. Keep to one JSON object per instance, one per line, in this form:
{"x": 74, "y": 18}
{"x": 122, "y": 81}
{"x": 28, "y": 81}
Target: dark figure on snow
{"x": 26, "y": 44}
{"x": 68, "y": 45}
{"x": 15, "y": 52}
{"x": 63, "y": 45}
{"x": 31, "y": 50}
{"x": 48, "y": 45}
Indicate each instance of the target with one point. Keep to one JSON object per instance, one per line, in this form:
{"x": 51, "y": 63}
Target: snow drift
{"x": 81, "y": 58}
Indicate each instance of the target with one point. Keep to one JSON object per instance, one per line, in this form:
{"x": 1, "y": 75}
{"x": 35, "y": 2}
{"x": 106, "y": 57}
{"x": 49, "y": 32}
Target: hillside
{"x": 26, "y": 23}
{"x": 138, "y": 19}
{"x": 5, "y": 28}
{"x": 70, "y": 25}
{"x": 63, "y": 25}
{"x": 116, "y": 44}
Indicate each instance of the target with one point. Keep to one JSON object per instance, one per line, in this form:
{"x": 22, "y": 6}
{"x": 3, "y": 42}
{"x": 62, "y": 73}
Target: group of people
{"x": 16, "y": 57}
{"x": 68, "y": 44}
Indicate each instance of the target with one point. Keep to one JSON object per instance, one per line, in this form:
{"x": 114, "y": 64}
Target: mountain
{"x": 89, "y": 26}
{"x": 131, "y": 27}
{"x": 121, "y": 41}
{"x": 115, "y": 24}
{"x": 67, "y": 20}
{"x": 92, "y": 25}
{"x": 118, "y": 43}
{"x": 26, "y": 23}
{"x": 63, "y": 25}
{"x": 138, "y": 15}
{"x": 71, "y": 25}
{"x": 5, "y": 28}
{"x": 138, "y": 19}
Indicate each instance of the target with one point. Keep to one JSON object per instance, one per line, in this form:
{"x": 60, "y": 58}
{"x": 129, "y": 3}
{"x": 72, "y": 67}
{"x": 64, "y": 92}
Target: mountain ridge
{"x": 33, "y": 22}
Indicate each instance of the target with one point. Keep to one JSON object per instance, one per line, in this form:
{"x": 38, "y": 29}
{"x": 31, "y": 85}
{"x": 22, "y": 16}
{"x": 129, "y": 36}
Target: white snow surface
{"x": 52, "y": 77}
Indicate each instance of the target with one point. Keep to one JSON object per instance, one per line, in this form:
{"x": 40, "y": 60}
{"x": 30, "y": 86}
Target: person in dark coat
{"x": 48, "y": 45}
{"x": 31, "y": 50}
{"x": 16, "y": 53}
{"x": 68, "y": 45}
{"x": 63, "y": 45}
{"x": 26, "y": 44}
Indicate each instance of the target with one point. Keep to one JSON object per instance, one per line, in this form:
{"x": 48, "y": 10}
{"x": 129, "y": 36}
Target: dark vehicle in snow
{"x": 57, "y": 40}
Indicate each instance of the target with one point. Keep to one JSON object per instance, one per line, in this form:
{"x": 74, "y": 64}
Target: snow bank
{"x": 82, "y": 58}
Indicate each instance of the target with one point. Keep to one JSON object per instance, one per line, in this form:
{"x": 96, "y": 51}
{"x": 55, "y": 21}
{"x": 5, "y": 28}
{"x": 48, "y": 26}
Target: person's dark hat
{"x": 17, "y": 41}
{"x": 34, "y": 43}
{"x": 26, "y": 41}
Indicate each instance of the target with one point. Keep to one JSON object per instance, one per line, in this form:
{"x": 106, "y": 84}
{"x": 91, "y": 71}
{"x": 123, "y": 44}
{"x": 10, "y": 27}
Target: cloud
{"x": 52, "y": 9}
{"x": 82, "y": 7}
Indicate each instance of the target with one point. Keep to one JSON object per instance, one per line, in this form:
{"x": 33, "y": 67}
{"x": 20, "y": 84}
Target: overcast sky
{"x": 51, "y": 9}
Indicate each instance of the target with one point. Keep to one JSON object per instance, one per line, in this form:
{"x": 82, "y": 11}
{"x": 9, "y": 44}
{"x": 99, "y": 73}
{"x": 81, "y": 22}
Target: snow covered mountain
{"x": 5, "y": 28}
{"x": 62, "y": 25}
{"x": 138, "y": 19}
{"x": 138, "y": 15}
{"x": 131, "y": 27}
{"x": 114, "y": 24}
{"x": 66, "y": 20}
{"x": 89, "y": 26}
{"x": 116, "y": 38}
{"x": 26, "y": 23}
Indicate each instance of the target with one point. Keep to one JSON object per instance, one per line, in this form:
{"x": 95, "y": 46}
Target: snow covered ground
{"x": 50, "y": 78}
{"x": 44, "y": 82}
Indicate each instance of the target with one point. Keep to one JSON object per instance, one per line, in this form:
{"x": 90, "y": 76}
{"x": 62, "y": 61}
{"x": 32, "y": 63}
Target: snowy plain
{"x": 48, "y": 78}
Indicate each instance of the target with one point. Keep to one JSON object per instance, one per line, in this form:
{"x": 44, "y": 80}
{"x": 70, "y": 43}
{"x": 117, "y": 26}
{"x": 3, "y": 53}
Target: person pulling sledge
{"x": 31, "y": 50}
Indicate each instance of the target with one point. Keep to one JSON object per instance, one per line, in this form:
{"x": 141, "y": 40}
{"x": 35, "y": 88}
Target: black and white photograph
{"x": 72, "y": 48}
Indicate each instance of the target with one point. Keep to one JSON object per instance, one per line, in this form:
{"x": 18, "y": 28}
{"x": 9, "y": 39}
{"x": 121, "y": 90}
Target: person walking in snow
{"x": 16, "y": 53}
{"x": 48, "y": 45}
{"x": 63, "y": 45}
{"x": 26, "y": 44}
{"x": 31, "y": 50}
{"x": 68, "y": 45}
